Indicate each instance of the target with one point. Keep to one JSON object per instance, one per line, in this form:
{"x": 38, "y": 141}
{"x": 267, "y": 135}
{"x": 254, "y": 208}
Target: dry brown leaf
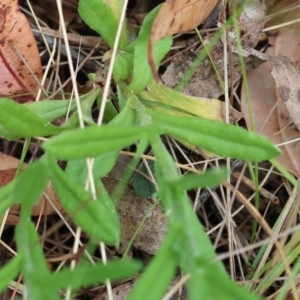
{"x": 16, "y": 36}
{"x": 131, "y": 210}
{"x": 286, "y": 44}
{"x": 285, "y": 90}
{"x": 204, "y": 82}
{"x": 121, "y": 292}
{"x": 287, "y": 77}
{"x": 287, "y": 38}
{"x": 177, "y": 16}
{"x": 8, "y": 162}
{"x": 180, "y": 15}
{"x": 263, "y": 99}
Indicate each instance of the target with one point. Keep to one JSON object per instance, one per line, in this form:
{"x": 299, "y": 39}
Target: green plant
{"x": 186, "y": 245}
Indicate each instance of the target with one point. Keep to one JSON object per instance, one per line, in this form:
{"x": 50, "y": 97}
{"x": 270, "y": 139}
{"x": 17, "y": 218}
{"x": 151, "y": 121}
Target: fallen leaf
{"x": 204, "y": 82}
{"x": 131, "y": 210}
{"x": 282, "y": 126}
{"x": 121, "y": 292}
{"x": 287, "y": 77}
{"x": 16, "y": 39}
{"x": 177, "y": 16}
{"x": 262, "y": 89}
{"x": 8, "y": 162}
{"x": 180, "y": 15}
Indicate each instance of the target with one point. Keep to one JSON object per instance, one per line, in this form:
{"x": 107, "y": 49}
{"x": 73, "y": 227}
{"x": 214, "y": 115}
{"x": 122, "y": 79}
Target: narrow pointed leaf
{"x": 10, "y": 271}
{"x": 92, "y": 141}
{"x": 6, "y": 196}
{"x": 163, "y": 266}
{"x": 210, "y": 178}
{"x": 34, "y": 268}
{"x": 101, "y": 18}
{"x": 30, "y": 184}
{"x": 87, "y": 275}
{"x": 142, "y": 74}
{"x": 18, "y": 121}
{"x": 98, "y": 218}
{"x": 217, "y": 137}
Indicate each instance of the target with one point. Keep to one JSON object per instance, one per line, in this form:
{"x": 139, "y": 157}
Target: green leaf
{"x": 192, "y": 245}
{"x": 217, "y": 137}
{"x": 51, "y": 109}
{"x": 210, "y": 178}
{"x": 10, "y": 270}
{"x": 101, "y": 18}
{"x": 30, "y": 184}
{"x": 110, "y": 111}
{"x": 103, "y": 164}
{"x": 6, "y": 196}
{"x": 123, "y": 65}
{"x": 92, "y": 141}
{"x": 35, "y": 270}
{"x": 162, "y": 266}
{"x": 87, "y": 275}
{"x": 98, "y": 218}
{"x": 127, "y": 116}
{"x": 18, "y": 121}
{"x": 141, "y": 183}
{"x": 142, "y": 74}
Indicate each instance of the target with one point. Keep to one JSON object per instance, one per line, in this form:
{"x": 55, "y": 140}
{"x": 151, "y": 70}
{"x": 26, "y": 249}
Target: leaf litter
{"x": 281, "y": 76}
{"x": 206, "y": 87}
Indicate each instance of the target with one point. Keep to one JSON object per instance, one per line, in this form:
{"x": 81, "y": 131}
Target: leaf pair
{"x": 222, "y": 139}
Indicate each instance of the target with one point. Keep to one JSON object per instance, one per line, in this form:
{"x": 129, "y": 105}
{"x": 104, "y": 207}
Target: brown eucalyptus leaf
{"x": 17, "y": 39}
{"x": 180, "y": 15}
{"x": 266, "y": 120}
{"x": 287, "y": 78}
{"x": 177, "y": 16}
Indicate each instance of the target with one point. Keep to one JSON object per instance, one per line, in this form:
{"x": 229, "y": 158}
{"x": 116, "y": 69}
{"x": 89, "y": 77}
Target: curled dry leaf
{"x": 177, "y": 16}
{"x": 17, "y": 39}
